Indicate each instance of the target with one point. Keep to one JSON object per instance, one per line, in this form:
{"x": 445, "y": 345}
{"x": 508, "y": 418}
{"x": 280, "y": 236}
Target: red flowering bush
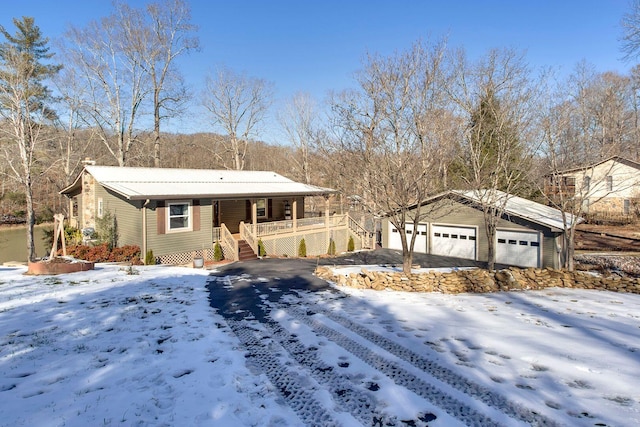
{"x": 102, "y": 253}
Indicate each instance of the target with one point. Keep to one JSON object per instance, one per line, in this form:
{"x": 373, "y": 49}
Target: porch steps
{"x": 245, "y": 253}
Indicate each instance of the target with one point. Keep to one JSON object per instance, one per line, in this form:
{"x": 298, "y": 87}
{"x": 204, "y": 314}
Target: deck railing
{"x": 366, "y": 237}
{"x": 248, "y": 236}
{"x": 302, "y": 224}
{"x": 228, "y": 243}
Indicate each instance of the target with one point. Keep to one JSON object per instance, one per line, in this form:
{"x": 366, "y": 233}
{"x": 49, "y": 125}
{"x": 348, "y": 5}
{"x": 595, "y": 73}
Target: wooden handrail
{"x": 228, "y": 243}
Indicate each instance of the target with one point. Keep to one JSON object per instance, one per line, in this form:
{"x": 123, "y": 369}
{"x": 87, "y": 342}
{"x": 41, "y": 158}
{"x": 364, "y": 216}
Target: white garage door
{"x": 458, "y": 242}
{"x": 521, "y": 248}
{"x": 421, "y": 238}
{"x": 394, "y": 238}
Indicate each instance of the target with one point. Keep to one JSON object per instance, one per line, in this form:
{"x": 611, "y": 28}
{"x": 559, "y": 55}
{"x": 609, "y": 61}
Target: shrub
{"x": 351, "y": 246}
{"x": 332, "y": 247}
{"x": 149, "y": 259}
{"x": 72, "y": 237}
{"x": 102, "y": 253}
{"x": 302, "y": 249}
{"x": 218, "y": 255}
{"x": 107, "y": 229}
{"x": 261, "y": 249}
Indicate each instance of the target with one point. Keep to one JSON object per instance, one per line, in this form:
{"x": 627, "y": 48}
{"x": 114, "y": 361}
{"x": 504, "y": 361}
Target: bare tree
{"x": 574, "y": 129}
{"x": 73, "y": 142}
{"x": 300, "y": 121}
{"x": 386, "y": 139}
{"x": 116, "y": 81}
{"x": 496, "y": 95}
{"x": 630, "y": 38}
{"x": 24, "y": 100}
{"x": 238, "y": 105}
{"x": 157, "y": 36}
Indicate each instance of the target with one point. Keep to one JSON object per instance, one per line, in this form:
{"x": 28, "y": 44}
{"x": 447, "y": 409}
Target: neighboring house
{"x": 610, "y": 187}
{"x": 180, "y": 213}
{"x": 529, "y": 234}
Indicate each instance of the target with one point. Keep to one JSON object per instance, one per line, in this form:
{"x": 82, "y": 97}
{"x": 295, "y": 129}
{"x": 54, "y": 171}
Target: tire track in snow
{"x": 428, "y": 366}
{"x": 263, "y": 348}
{"x": 438, "y": 397}
{"x": 293, "y": 387}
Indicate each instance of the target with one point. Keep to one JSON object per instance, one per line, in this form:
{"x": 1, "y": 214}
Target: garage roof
{"x": 165, "y": 183}
{"x": 524, "y": 208}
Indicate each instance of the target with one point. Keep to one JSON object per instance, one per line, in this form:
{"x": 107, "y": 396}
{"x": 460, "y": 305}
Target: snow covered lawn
{"x": 105, "y": 347}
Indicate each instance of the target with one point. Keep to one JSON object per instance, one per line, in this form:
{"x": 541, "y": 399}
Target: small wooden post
{"x": 58, "y": 230}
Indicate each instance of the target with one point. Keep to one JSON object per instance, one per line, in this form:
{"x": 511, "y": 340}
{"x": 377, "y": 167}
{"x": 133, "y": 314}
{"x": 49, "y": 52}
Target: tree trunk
{"x": 407, "y": 262}
{"x": 156, "y": 131}
{"x": 31, "y": 219}
{"x": 491, "y": 243}
{"x": 571, "y": 249}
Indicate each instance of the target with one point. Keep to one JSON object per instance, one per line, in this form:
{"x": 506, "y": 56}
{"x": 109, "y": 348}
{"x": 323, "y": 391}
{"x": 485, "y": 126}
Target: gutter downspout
{"x": 144, "y": 229}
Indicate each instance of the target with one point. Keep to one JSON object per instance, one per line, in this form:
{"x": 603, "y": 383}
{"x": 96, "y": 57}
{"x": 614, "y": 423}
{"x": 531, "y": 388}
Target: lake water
{"x": 13, "y": 243}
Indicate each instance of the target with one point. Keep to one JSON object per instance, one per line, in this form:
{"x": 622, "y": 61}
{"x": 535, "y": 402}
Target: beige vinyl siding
{"x": 278, "y": 207}
{"x": 128, "y": 214}
{"x": 232, "y": 212}
{"x": 175, "y": 242}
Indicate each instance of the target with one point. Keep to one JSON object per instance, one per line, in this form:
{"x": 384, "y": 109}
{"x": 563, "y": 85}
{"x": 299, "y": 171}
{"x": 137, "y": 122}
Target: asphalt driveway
{"x": 282, "y": 325}
{"x": 244, "y": 297}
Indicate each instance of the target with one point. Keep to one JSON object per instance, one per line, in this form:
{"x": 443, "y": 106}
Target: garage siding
{"x": 452, "y": 213}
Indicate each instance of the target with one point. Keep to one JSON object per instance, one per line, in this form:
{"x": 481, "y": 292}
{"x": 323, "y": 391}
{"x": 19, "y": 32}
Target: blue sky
{"x": 316, "y": 45}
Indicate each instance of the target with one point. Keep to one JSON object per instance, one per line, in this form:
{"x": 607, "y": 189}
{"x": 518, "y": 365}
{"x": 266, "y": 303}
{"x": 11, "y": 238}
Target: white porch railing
{"x": 247, "y": 235}
{"x": 228, "y": 243}
{"x": 303, "y": 224}
{"x": 215, "y": 234}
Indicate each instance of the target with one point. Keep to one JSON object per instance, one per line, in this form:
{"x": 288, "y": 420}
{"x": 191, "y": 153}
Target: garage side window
{"x": 179, "y": 217}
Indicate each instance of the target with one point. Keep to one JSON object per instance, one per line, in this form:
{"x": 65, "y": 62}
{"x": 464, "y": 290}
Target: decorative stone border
{"x": 480, "y": 281}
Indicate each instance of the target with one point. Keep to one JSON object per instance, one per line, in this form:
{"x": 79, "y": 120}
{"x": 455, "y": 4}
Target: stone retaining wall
{"x": 480, "y": 281}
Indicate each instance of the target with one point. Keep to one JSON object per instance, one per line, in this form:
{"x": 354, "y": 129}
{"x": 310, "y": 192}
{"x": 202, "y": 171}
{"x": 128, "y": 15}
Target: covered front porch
{"x": 283, "y": 237}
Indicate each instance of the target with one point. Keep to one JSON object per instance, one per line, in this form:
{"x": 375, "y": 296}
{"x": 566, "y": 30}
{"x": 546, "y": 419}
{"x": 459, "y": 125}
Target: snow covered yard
{"x": 108, "y": 348}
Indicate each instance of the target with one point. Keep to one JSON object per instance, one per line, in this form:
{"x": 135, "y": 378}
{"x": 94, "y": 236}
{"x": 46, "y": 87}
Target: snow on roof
{"x": 524, "y": 208}
{"x": 154, "y": 183}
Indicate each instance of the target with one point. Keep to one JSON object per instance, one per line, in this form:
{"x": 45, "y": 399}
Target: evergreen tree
{"x": 495, "y": 150}
{"x": 24, "y": 99}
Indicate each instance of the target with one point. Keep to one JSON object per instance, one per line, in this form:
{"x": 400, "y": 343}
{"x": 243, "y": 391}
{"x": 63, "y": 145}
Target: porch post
{"x": 294, "y": 214}
{"x": 326, "y": 211}
{"x": 254, "y": 216}
{"x": 326, "y": 221}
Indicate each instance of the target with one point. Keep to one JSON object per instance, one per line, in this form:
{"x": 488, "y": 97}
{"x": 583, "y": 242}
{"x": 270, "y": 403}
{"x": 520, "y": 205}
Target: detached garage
{"x": 529, "y": 234}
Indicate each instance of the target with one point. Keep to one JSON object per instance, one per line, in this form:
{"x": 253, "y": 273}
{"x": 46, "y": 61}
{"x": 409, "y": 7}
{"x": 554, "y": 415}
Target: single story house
{"x": 528, "y": 234}
{"x": 180, "y": 213}
{"x": 609, "y": 187}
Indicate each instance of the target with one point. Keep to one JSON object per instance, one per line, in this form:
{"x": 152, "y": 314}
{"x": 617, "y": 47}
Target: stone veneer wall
{"x": 88, "y": 200}
{"x": 480, "y": 281}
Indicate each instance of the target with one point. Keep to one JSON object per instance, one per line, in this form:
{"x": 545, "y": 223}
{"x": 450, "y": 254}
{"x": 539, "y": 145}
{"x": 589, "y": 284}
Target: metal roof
{"x": 166, "y": 183}
{"x": 524, "y": 208}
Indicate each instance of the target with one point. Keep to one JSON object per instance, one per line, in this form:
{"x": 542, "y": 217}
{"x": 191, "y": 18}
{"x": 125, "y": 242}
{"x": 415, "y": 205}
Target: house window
{"x": 586, "y": 184}
{"x": 609, "y": 183}
{"x": 627, "y": 206}
{"x": 179, "y": 216}
{"x": 261, "y": 206}
{"x": 100, "y": 207}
